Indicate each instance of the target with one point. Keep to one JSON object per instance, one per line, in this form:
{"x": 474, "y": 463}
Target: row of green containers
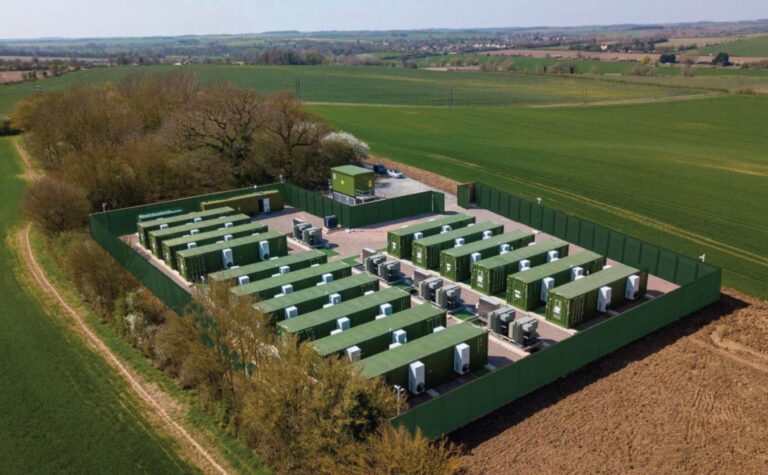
{"x": 400, "y": 241}
{"x": 435, "y": 351}
{"x": 575, "y": 302}
{"x": 320, "y": 323}
{"x": 426, "y": 251}
{"x": 171, "y": 247}
{"x": 200, "y": 261}
{"x": 376, "y": 336}
{"x": 298, "y": 280}
{"x": 262, "y": 270}
{"x": 145, "y": 227}
{"x": 490, "y": 275}
{"x": 456, "y": 263}
{"x": 251, "y": 203}
{"x": 524, "y": 288}
{"x": 158, "y": 236}
{"x": 315, "y": 298}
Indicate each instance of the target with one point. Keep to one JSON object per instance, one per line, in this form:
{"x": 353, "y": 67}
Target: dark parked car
{"x": 380, "y": 169}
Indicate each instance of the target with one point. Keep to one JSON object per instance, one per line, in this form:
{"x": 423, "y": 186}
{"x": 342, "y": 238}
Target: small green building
{"x": 352, "y": 180}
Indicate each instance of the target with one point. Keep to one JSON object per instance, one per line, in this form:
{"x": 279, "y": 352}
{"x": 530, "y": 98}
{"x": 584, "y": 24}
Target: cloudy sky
{"x": 100, "y": 18}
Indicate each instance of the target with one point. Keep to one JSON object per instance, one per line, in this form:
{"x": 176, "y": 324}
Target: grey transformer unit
{"x": 387, "y": 270}
{"x": 520, "y": 330}
{"x": 448, "y": 297}
{"x": 428, "y": 288}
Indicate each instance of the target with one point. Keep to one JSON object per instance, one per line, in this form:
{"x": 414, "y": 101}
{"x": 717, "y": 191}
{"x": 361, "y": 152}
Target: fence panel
{"x": 462, "y": 195}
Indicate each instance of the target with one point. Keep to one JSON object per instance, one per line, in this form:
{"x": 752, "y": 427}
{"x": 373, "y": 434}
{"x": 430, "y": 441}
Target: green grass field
{"x": 378, "y": 85}
{"x": 752, "y": 46}
{"x": 63, "y": 408}
{"x": 691, "y": 175}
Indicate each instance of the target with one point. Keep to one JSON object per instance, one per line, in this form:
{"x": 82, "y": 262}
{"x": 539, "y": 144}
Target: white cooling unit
{"x": 458, "y": 242}
{"x": 399, "y": 336}
{"x": 264, "y": 250}
{"x": 243, "y": 279}
{"x": 445, "y": 229}
{"x": 416, "y": 377}
{"x": 474, "y": 257}
{"x": 525, "y": 264}
{"x": 227, "y": 259}
{"x": 286, "y": 289}
{"x": 552, "y": 256}
{"x": 487, "y": 234}
{"x": 229, "y": 237}
{"x": 353, "y": 353}
{"x": 194, "y": 231}
{"x": 547, "y": 283}
{"x": 342, "y": 323}
{"x": 417, "y": 236}
{"x": 191, "y": 245}
{"x": 576, "y": 271}
{"x": 385, "y": 309}
{"x": 334, "y": 299}
{"x": 164, "y": 226}
{"x": 326, "y": 279}
{"x": 504, "y": 248}
{"x": 229, "y": 225}
{"x": 604, "y": 299}
{"x": 284, "y": 270}
{"x": 291, "y": 312}
{"x": 461, "y": 358}
{"x": 633, "y": 287}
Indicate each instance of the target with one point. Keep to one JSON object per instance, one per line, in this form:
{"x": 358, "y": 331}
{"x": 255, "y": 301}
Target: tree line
{"x": 150, "y": 138}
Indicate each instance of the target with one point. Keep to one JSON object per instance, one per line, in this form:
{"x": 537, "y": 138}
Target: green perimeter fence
{"x": 699, "y": 286}
{"x": 107, "y": 227}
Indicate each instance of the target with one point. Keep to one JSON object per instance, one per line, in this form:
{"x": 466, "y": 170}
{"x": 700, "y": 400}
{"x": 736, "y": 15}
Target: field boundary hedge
{"x": 699, "y": 286}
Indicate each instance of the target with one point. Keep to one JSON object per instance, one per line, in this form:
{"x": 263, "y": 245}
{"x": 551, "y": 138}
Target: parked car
{"x": 380, "y": 169}
{"x": 394, "y": 173}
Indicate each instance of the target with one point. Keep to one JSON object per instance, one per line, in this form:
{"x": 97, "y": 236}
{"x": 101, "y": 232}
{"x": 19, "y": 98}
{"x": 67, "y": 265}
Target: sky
{"x": 111, "y": 18}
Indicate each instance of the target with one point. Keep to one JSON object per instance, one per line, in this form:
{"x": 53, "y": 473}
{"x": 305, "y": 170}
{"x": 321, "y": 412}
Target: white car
{"x": 392, "y": 173}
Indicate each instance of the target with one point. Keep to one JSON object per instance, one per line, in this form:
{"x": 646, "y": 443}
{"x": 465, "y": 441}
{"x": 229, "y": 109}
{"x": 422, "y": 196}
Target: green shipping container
{"x": 300, "y": 280}
{"x": 524, "y": 288}
{"x": 490, "y": 275}
{"x": 576, "y": 302}
{"x": 252, "y": 203}
{"x": 455, "y": 263}
{"x": 158, "y": 236}
{"x": 400, "y": 241}
{"x": 359, "y": 311}
{"x": 144, "y": 227}
{"x": 198, "y": 262}
{"x": 376, "y": 336}
{"x": 265, "y": 269}
{"x": 426, "y": 251}
{"x": 436, "y": 351}
{"x": 171, "y": 247}
{"x": 352, "y": 181}
{"x": 312, "y": 299}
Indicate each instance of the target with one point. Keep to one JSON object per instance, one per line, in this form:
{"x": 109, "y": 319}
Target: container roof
{"x": 594, "y": 281}
{"x": 190, "y": 226}
{"x": 352, "y": 170}
{"x": 494, "y": 241}
{"x": 255, "y": 225}
{"x": 457, "y": 233}
{"x": 181, "y": 217}
{"x": 274, "y": 304}
{"x": 241, "y": 241}
{"x": 291, "y": 277}
{"x": 430, "y": 224}
{"x": 264, "y": 265}
{"x": 247, "y": 195}
{"x": 522, "y": 253}
{"x": 340, "y": 342}
{"x": 389, "y": 360}
{"x": 545, "y": 270}
{"x": 318, "y": 317}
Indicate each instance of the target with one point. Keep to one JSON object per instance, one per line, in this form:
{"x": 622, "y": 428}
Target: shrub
{"x": 55, "y": 206}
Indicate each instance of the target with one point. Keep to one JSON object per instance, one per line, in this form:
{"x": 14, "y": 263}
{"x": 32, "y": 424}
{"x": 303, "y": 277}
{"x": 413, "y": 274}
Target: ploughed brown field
{"x": 11, "y": 76}
{"x": 690, "y": 398}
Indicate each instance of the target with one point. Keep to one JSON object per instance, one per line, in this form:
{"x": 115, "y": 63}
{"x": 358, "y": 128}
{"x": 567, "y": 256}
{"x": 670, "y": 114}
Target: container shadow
{"x": 507, "y": 416}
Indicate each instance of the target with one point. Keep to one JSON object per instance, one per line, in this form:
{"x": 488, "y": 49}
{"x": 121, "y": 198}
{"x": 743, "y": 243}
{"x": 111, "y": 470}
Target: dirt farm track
{"x": 690, "y": 398}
